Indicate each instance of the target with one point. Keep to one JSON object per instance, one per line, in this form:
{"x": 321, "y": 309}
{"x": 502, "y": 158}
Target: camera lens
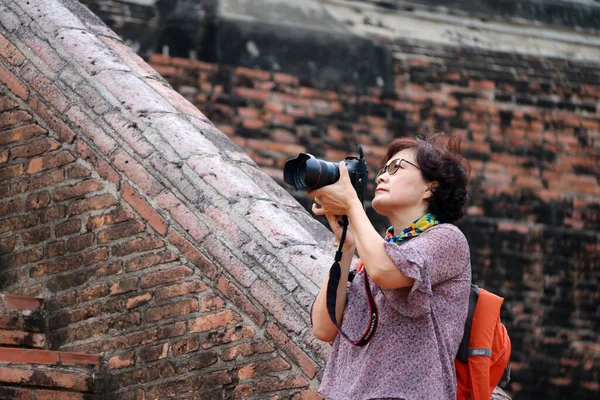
{"x": 306, "y": 172}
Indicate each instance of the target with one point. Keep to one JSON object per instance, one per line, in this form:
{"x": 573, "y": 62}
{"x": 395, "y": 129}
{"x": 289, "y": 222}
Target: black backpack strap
{"x": 463, "y": 349}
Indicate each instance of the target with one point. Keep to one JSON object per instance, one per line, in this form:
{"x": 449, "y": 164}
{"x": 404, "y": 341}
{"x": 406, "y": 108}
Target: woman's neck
{"x": 404, "y": 217}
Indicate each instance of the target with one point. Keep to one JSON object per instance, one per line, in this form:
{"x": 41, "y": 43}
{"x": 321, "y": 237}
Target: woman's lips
{"x": 380, "y": 190}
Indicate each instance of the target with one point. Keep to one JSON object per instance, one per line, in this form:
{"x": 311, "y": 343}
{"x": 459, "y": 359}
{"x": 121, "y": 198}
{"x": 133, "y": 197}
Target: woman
{"x": 421, "y": 286}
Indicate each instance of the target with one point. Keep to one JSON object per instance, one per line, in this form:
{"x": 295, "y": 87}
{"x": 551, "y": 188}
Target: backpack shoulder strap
{"x": 485, "y": 320}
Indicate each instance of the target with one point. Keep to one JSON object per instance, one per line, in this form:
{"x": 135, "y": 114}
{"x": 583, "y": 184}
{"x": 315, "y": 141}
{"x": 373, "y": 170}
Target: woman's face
{"x": 405, "y": 189}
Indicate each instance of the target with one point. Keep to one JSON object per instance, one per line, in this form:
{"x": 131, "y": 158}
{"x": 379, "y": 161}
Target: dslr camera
{"x": 306, "y": 172}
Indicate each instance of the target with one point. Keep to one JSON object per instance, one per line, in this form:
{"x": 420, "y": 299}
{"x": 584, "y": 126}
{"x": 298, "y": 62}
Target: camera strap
{"x": 335, "y": 274}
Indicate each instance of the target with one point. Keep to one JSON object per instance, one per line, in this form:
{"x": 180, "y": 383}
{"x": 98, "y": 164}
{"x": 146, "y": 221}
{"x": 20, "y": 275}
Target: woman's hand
{"x": 336, "y": 199}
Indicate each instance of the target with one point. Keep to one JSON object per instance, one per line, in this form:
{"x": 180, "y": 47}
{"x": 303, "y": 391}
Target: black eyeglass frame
{"x": 397, "y": 163}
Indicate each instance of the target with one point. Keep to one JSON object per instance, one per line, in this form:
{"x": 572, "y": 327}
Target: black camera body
{"x": 306, "y": 172}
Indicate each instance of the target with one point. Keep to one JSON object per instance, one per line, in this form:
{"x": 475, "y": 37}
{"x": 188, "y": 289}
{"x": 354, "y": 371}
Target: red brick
{"x": 100, "y": 165}
{"x": 146, "y": 211}
{"x": 13, "y": 83}
{"x": 93, "y": 131}
{"x": 94, "y": 256}
{"x": 241, "y": 301}
{"x": 17, "y": 223}
{"x": 91, "y": 203}
{"x": 4, "y": 191}
{"x": 297, "y": 355}
{"x": 192, "y": 254}
{"x": 130, "y": 132}
{"x": 8, "y": 244}
{"x": 92, "y": 292}
{"x": 180, "y": 289}
{"x": 273, "y": 384}
{"x": 138, "y": 245}
{"x": 165, "y": 276}
{"x": 211, "y": 302}
{"x": 4, "y": 156}
{"x": 50, "y": 162}
{"x": 56, "y": 249}
{"x": 53, "y": 213}
{"x": 175, "y": 388}
{"x": 137, "y": 173}
{"x": 149, "y": 260}
{"x": 171, "y": 310}
{"x": 124, "y": 285}
{"x": 261, "y": 368}
{"x": 18, "y": 338}
{"x": 77, "y": 190}
{"x": 138, "y": 301}
{"x": 245, "y": 350}
{"x": 185, "y": 346}
{"x": 67, "y": 228}
{"x": 230, "y": 262}
{"x": 152, "y": 353}
{"x": 108, "y": 269}
{"x": 37, "y": 200}
{"x": 36, "y": 236}
{"x": 34, "y": 148}
{"x": 119, "y": 231}
{"x": 11, "y": 207}
{"x": 6, "y": 104}
{"x": 58, "y": 395}
{"x": 114, "y": 217}
{"x": 39, "y": 181}
{"x": 308, "y": 395}
{"x": 20, "y": 134}
{"x": 13, "y": 117}
{"x": 213, "y": 321}
{"x": 12, "y": 171}
{"x": 121, "y": 361}
{"x": 54, "y": 122}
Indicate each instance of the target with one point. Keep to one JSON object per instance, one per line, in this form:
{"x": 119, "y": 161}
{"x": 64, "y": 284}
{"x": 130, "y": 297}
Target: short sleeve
{"x": 436, "y": 256}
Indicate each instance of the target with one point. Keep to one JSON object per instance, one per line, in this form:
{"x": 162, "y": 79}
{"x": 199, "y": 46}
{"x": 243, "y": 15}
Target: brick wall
{"x": 152, "y": 238}
{"x": 531, "y": 132}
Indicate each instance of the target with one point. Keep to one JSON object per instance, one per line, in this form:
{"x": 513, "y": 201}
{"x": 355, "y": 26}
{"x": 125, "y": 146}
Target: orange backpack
{"x": 484, "y": 353}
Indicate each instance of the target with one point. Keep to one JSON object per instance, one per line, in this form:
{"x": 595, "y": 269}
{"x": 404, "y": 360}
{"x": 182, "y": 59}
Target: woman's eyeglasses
{"x": 393, "y": 166}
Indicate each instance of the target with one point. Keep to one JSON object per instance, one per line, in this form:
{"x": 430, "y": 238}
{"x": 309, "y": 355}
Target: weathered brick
{"x": 171, "y": 310}
{"x": 297, "y": 355}
{"x": 10, "y": 53}
{"x": 77, "y": 190}
{"x": 53, "y": 213}
{"x": 4, "y": 156}
{"x": 95, "y": 256}
{"x": 245, "y": 350}
{"x": 56, "y": 249}
{"x": 14, "y": 117}
{"x": 78, "y": 171}
{"x": 122, "y": 230}
{"x": 52, "y": 120}
{"x": 152, "y": 353}
{"x": 225, "y": 336}
{"x": 50, "y": 162}
{"x": 121, "y": 361}
{"x": 183, "y": 215}
{"x": 114, "y": 217}
{"x": 20, "y": 222}
{"x": 165, "y": 276}
{"x": 180, "y": 289}
{"x": 192, "y": 254}
{"x": 273, "y": 302}
{"x": 34, "y": 148}
{"x": 37, "y": 200}
{"x": 8, "y": 244}
{"x": 124, "y": 285}
{"x": 261, "y": 368}
{"x": 218, "y": 378}
{"x": 68, "y": 227}
{"x": 111, "y": 269}
{"x": 130, "y": 132}
{"x": 241, "y": 301}
{"x": 100, "y": 165}
{"x": 6, "y": 104}
{"x": 93, "y": 131}
{"x": 25, "y": 257}
{"x": 308, "y": 395}
{"x": 211, "y": 302}
{"x": 225, "y": 257}
{"x": 53, "y": 267}
{"x": 39, "y": 181}
{"x": 150, "y": 260}
{"x": 174, "y": 388}
{"x": 185, "y": 346}
{"x": 183, "y": 136}
{"x": 20, "y": 134}
{"x": 138, "y": 301}
{"x": 146, "y": 211}
{"x": 45, "y": 87}
{"x": 35, "y": 236}
{"x": 137, "y": 173}
{"x": 125, "y": 321}
{"x": 91, "y": 203}
{"x": 11, "y": 207}
{"x": 213, "y": 321}
{"x": 12, "y": 171}
{"x": 138, "y": 245}
{"x": 13, "y": 83}
{"x": 80, "y": 242}
{"x": 273, "y": 384}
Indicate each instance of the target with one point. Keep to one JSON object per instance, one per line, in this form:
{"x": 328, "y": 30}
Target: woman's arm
{"x": 340, "y": 199}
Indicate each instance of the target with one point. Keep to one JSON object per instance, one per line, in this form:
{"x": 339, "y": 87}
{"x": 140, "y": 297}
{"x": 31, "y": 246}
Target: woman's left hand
{"x": 336, "y": 199}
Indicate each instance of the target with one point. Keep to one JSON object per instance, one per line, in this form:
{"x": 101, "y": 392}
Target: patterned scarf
{"x": 417, "y": 227}
{"x": 413, "y": 230}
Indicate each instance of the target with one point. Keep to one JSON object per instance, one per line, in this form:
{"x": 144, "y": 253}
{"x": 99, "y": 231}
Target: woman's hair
{"x": 440, "y": 159}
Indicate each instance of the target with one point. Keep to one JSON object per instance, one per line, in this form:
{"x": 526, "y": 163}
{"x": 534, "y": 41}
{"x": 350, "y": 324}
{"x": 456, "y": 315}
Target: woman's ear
{"x": 431, "y": 190}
